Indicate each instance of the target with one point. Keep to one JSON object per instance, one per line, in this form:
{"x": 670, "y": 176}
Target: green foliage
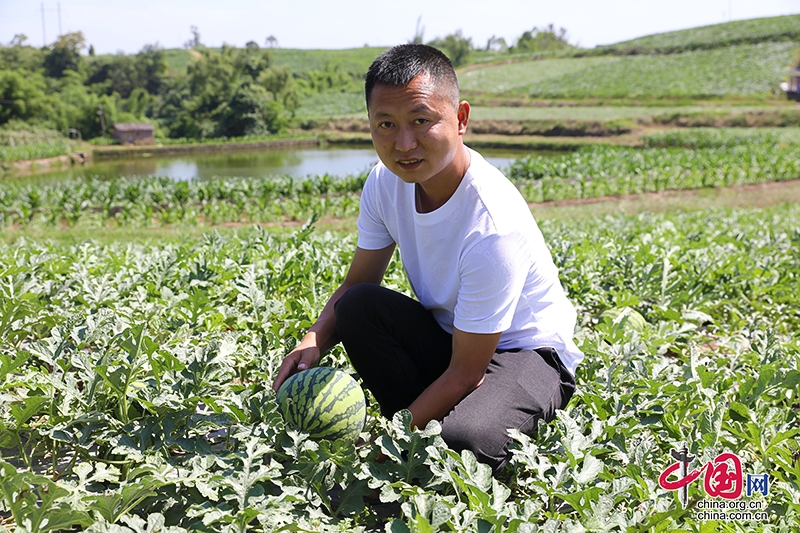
{"x": 228, "y": 94}
{"x": 710, "y": 138}
{"x": 455, "y": 46}
{"x": 19, "y": 56}
{"x": 135, "y": 382}
{"x": 601, "y": 171}
{"x": 144, "y": 202}
{"x": 23, "y": 97}
{"x": 546, "y": 39}
{"x": 65, "y": 54}
{"x": 31, "y": 143}
{"x": 124, "y": 74}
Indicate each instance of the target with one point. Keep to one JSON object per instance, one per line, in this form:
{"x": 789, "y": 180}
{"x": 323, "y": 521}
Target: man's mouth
{"x": 409, "y": 162}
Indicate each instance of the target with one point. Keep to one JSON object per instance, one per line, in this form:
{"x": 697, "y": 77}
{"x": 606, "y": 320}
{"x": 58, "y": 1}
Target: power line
{"x": 44, "y": 32}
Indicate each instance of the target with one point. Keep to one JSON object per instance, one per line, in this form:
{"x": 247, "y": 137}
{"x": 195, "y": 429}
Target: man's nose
{"x": 406, "y": 139}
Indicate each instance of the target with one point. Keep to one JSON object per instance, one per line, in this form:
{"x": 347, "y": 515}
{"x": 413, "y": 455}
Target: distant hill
{"x": 746, "y": 57}
{"x": 751, "y": 31}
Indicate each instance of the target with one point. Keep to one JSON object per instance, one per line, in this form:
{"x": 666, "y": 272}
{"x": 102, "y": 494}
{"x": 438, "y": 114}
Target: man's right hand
{"x": 305, "y": 356}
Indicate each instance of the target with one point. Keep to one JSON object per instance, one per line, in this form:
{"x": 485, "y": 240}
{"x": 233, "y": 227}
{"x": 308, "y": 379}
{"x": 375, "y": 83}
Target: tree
{"x": 194, "y": 42}
{"x": 19, "y": 56}
{"x": 152, "y": 68}
{"x": 233, "y": 92}
{"x": 22, "y": 97}
{"x": 542, "y": 40}
{"x": 496, "y": 44}
{"x": 272, "y": 41}
{"x": 65, "y": 54}
{"x": 455, "y": 46}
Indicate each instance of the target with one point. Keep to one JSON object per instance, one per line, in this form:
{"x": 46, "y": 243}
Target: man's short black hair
{"x": 398, "y": 65}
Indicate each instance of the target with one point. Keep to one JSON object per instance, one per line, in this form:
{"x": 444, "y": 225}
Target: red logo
{"x": 723, "y": 476}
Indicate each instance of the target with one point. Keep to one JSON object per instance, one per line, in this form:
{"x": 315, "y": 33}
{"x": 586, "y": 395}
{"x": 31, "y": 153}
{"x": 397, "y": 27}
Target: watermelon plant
{"x": 136, "y": 387}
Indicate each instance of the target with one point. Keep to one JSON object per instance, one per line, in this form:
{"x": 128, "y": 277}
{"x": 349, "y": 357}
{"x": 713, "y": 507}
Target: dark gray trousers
{"x": 398, "y": 350}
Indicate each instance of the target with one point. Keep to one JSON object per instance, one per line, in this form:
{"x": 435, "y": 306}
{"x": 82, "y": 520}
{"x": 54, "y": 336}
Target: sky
{"x": 113, "y": 26}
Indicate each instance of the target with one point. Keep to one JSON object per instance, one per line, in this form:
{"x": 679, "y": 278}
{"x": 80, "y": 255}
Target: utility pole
{"x": 102, "y": 119}
{"x": 44, "y": 36}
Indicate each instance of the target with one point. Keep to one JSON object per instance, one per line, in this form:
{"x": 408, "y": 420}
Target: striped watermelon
{"x": 324, "y": 402}
{"x": 626, "y": 316}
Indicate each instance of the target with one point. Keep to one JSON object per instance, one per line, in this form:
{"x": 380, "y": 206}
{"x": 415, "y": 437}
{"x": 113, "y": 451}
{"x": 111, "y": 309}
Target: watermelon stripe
{"x": 324, "y": 402}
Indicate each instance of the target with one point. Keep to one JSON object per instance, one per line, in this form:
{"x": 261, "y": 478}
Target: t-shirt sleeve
{"x": 372, "y": 232}
{"x": 493, "y": 274}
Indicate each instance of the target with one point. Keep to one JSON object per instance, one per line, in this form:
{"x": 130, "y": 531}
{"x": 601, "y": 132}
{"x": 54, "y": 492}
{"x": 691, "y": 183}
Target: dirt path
{"x": 741, "y": 196}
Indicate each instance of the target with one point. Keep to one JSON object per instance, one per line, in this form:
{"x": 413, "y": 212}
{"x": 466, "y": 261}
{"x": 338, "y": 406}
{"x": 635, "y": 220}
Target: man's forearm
{"x": 323, "y": 332}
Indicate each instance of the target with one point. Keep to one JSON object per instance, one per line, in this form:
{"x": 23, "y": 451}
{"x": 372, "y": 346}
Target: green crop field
{"x": 135, "y": 385}
{"x": 742, "y": 70}
{"x": 770, "y": 29}
{"x": 331, "y": 104}
{"x": 352, "y": 60}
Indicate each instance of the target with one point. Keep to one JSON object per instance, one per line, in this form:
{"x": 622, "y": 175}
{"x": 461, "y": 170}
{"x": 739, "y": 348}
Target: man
{"x": 487, "y": 346}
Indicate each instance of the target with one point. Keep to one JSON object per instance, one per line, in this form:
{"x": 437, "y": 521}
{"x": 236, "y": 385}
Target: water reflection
{"x": 296, "y": 162}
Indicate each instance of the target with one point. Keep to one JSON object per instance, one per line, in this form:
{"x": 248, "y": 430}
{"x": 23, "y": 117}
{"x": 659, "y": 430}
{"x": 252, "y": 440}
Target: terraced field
{"x": 740, "y": 70}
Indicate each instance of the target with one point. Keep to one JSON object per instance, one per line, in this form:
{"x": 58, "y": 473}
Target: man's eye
{"x": 421, "y": 121}
{"x": 385, "y": 125}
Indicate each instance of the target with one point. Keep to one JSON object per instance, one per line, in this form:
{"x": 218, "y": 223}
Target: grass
{"x": 741, "y": 70}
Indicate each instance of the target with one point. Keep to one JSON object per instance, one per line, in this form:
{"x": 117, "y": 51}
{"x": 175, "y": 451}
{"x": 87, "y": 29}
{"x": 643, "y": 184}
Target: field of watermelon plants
{"x": 135, "y": 387}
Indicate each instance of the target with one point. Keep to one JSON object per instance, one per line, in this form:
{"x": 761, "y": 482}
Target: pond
{"x": 298, "y": 162}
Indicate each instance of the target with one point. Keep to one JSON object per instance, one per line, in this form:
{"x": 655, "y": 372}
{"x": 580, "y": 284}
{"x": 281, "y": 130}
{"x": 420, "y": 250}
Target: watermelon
{"x": 324, "y": 402}
{"x": 626, "y": 316}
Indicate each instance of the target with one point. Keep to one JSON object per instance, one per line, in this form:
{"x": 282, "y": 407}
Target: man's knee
{"x": 351, "y": 308}
{"x": 487, "y": 441}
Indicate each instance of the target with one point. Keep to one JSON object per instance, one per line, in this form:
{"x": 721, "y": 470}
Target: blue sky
{"x": 127, "y": 25}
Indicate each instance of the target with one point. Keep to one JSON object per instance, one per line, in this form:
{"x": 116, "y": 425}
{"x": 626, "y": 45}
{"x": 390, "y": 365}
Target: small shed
{"x": 793, "y": 89}
{"x": 134, "y": 133}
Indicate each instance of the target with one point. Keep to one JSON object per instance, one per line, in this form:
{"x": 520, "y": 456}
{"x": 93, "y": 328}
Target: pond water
{"x": 298, "y": 162}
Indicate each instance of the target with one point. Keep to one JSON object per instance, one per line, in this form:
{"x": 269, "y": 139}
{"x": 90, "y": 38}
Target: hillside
{"x": 770, "y": 29}
{"x": 744, "y": 57}
{"x": 735, "y": 70}
{"x": 299, "y": 61}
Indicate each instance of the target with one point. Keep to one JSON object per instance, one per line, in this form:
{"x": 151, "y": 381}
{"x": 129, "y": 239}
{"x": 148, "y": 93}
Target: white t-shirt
{"x": 479, "y": 262}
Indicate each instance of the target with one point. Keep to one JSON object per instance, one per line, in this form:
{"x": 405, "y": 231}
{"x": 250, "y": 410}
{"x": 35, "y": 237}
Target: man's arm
{"x": 472, "y": 353}
{"x": 368, "y": 266}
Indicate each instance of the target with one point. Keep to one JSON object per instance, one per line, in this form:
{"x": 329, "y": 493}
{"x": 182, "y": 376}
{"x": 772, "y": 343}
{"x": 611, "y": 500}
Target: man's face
{"x": 416, "y": 131}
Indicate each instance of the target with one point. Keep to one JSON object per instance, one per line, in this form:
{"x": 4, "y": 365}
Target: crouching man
{"x": 487, "y": 345}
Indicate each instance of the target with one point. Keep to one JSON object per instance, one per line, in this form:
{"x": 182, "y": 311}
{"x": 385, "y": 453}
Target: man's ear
{"x": 463, "y": 116}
